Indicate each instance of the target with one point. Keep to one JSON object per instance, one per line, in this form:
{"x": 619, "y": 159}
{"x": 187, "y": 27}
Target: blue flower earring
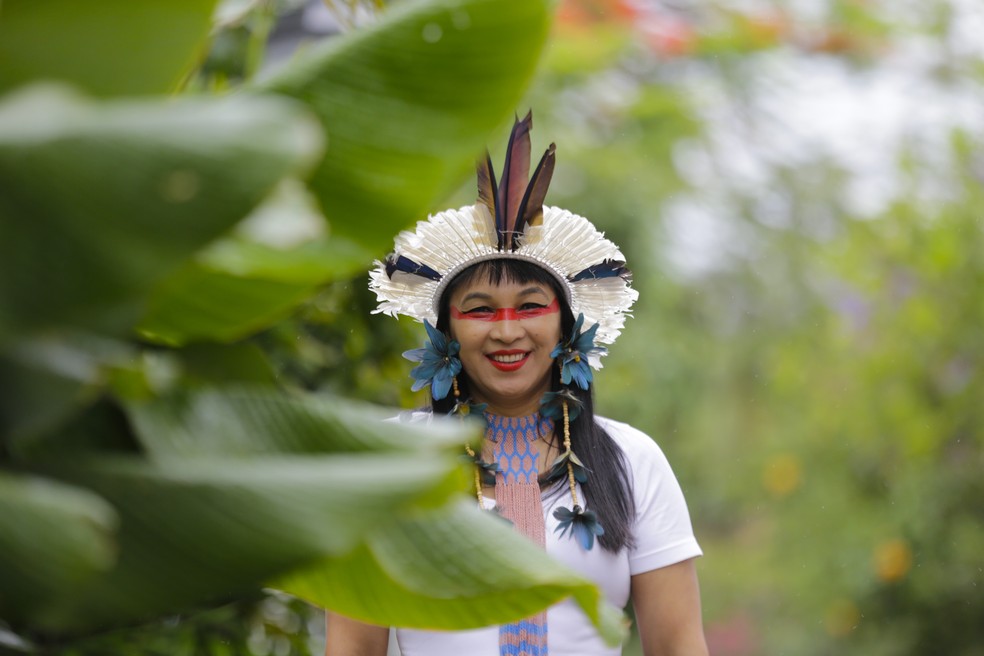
{"x": 439, "y": 363}
{"x": 575, "y": 352}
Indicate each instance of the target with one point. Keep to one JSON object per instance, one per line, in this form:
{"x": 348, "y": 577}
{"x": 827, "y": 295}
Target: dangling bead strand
{"x": 478, "y": 477}
{"x": 567, "y": 446}
{"x": 469, "y": 451}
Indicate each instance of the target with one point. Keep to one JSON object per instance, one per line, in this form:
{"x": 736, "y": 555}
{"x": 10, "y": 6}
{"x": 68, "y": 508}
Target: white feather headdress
{"x": 509, "y": 222}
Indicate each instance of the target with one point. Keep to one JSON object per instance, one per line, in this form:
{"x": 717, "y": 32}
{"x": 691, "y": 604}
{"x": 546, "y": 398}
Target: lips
{"x": 508, "y": 360}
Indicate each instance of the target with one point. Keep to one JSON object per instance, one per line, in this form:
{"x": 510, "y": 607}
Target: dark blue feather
{"x": 606, "y": 269}
{"x": 406, "y": 265}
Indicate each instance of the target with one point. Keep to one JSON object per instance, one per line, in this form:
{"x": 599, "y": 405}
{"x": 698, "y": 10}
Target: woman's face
{"x": 506, "y": 331}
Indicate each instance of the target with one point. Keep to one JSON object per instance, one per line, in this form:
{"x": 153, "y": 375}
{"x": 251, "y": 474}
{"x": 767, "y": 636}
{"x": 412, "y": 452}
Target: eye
{"x": 530, "y": 310}
{"x": 481, "y": 311}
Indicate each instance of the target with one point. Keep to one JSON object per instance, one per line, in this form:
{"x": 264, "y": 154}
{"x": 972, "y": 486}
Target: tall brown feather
{"x": 487, "y": 189}
{"x": 531, "y": 209}
{"x": 515, "y": 176}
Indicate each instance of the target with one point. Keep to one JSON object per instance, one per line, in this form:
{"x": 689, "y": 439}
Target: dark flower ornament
{"x": 575, "y": 352}
{"x": 468, "y": 409}
{"x": 552, "y": 404}
{"x": 583, "y": 525}
{"x": 559, "y": 467}
{"x": 487, "y": 470}
{"x": 439, "y": 363}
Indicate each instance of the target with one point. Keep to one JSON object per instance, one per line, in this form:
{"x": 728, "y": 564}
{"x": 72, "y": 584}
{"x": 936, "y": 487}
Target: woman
{"x": 518, "y": 293}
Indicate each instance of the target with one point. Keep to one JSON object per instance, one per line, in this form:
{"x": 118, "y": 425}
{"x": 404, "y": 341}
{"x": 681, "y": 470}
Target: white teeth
{"x": 516, "y": 357}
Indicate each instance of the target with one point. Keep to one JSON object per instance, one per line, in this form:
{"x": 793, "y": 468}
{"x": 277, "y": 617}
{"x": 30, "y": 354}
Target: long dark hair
{"x": 608, "y": 490}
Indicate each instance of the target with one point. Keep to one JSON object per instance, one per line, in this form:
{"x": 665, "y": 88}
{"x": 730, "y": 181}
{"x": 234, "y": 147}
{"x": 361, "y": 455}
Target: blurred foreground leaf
{"x": 408, "y": 105}
{"x": 147, "y": 45}
{"x": 53, "y": 537}
{"x": 100, "y": 200}
{"x": 453, "y": 568}
{"x": 242, "y": 422}
{"x": 200, "y": 530}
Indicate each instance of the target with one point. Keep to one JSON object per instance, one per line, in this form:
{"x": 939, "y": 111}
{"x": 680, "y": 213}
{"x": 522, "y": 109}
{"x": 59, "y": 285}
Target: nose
{"x": 507, "y": 330}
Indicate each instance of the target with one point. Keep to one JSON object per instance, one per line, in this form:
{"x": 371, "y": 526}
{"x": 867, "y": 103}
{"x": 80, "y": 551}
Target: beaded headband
{"x": 509, "y": 221}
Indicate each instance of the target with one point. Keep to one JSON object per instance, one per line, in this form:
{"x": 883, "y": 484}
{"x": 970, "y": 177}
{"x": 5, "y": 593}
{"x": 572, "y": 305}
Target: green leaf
{"x": 246, "y": 281}
{"x": 106, "y": 47}
{"x": 452, "y": 568}
{"x": 213, "y": 364}
{"x": 48, "y": 378}
{"x": 197, "y": 531}
{"x": 408, "y": 104}
{"x": 53, "y": 537}
{"x": 200, "y": 303}
{"x": 238, "y": 422}
{"x": 100, "y": 201}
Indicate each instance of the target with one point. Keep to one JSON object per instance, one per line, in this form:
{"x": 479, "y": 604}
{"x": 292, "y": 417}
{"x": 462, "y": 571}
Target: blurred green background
{"x": 797, "y": 188}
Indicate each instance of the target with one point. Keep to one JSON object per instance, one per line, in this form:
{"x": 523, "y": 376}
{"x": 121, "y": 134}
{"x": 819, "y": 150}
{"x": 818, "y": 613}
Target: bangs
{"x": 499, "y": 271}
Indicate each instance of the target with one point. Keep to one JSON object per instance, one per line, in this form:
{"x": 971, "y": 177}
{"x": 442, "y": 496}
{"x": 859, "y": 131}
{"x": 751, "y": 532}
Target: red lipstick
{"x": 508, "y": 366}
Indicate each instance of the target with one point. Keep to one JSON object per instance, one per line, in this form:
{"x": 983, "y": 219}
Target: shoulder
{"x": 647, "y": 465}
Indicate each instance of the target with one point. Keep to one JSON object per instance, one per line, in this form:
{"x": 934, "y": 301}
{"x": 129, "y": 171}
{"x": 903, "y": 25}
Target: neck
{"x": 517, "y": 410}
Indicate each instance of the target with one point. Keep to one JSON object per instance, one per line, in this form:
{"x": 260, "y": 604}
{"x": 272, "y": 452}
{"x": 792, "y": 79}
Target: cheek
{"x": 466, "y": 335}
{"x": 550, "y": 332}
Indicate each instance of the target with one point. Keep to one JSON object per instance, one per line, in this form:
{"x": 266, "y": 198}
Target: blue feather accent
{"x": 406, "y": 265}
{"x": 606, "y": 269}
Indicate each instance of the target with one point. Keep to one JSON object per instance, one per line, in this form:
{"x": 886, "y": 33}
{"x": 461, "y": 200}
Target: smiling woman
{"x": 507, "y": 331}
{"x": 509, "y": 284}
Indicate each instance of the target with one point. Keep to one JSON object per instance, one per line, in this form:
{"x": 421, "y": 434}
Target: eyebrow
{"x": 536, "y": 289}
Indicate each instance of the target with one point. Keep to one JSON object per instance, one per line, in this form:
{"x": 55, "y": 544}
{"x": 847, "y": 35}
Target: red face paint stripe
{"x": 504, "y": 314}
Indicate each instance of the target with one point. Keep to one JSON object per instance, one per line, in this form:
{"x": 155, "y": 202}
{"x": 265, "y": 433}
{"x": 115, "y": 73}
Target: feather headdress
{"x": 509, "y": 221}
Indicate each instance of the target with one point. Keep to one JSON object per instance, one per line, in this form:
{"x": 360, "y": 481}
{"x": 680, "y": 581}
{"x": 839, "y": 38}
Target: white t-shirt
{"x": 663, "y": 536}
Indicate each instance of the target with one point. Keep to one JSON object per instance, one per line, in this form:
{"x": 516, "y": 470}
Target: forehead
{"x": 504, "y": 292}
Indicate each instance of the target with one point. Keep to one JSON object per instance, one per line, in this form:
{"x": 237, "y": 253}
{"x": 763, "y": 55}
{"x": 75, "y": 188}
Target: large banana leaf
{"x": 243, "y": 422}
{"x": 106, "y": 47}
{"x": 455, "y": 567}
{"x": 198, "y": 531}
{"x": 245, "y": 281}
{"x": 451, "y": 568}
{"x": 408, "y": 104}
{"x": 98, "y": 201}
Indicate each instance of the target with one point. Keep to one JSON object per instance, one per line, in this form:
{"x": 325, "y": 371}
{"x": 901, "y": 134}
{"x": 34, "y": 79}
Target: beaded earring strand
{"x": 583, "y": 524}
{"x": 573, "y": 355}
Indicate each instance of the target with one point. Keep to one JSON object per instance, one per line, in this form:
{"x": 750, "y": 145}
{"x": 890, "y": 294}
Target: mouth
{"x": 508, "y": 360}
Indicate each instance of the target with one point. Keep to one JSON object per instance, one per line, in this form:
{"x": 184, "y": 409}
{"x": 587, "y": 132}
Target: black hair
{"x": 608, "y": 489}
